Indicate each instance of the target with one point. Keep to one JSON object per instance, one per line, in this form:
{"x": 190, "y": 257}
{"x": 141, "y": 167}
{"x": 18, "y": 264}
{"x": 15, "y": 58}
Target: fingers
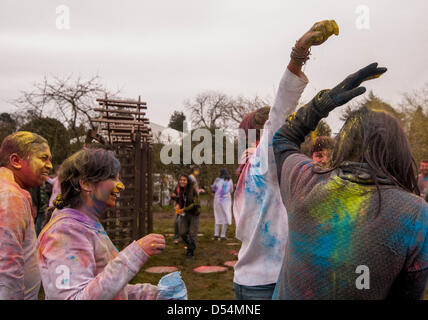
{"x": 333, "y": 27}
{"x": 346, "y": 96}
{"x": 317, "y": 37}
{"x": 323, "y": 30}
{"x": 152, "y": 244}
{"x": 372, "y": 71}
{"x": 318, "y": 34}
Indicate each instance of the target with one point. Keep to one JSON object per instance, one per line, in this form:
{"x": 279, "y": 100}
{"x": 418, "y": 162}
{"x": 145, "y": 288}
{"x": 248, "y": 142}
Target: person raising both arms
{"x": 261, "y": 220}
{"x": 363, "y": 214}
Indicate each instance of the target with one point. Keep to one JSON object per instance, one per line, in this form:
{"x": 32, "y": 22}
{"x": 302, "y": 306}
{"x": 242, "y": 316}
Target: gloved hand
{"x": 327, "y": 100}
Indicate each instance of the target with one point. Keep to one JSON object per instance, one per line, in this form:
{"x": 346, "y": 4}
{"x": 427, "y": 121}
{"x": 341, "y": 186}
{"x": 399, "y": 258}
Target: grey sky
{"x": 168, "y": 50}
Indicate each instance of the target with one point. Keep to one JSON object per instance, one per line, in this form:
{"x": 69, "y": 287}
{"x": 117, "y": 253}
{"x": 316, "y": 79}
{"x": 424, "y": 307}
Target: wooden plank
{"x": 128, "y": 122}
{"x": 121, "y": 101}
{"x": 110, "y": 117}
{"x": 150, "y": 191}
{"x": 137, "y": 185}
{"x": 143, "y": 190}
{"x": 120, "y": 111}
{"x": 127, "y": 130}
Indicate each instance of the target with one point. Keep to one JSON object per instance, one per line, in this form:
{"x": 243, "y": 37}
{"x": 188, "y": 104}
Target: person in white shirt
{"x": 222, "y": 188}
{"x": 261, "y": 218}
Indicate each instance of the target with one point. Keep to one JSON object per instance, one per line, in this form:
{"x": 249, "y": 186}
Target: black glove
{"x": 348, "y": 89}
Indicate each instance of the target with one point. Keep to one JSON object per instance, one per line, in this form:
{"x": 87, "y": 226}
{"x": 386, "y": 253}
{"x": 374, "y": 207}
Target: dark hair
{"x": 190, "y": 183}
{"x": 22, "y": 143}
{"x": 189, "y": 190}
{"x": 322, "y": 143}
{"x": 224, "y": 174}
{"x": 376, "y": 138}
{"x": 88, "y": 164}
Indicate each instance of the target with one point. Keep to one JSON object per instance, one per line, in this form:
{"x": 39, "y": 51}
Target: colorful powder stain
{"x": 268, "y": 240}
{"x": 343, "y": 201}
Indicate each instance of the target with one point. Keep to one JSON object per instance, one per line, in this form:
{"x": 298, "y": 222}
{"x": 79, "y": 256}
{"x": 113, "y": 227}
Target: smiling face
{"x": 321, "y": 157}
{"x": 34, "y": 170}
{"x": 106, "y": 192}
{"x": 183, "y": 181}
{"x": 424, "y": 168}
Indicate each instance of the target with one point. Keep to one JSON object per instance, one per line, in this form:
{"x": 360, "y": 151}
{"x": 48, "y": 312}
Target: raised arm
{"x": 294, "y": 80}
{"x": 288, "y": 138}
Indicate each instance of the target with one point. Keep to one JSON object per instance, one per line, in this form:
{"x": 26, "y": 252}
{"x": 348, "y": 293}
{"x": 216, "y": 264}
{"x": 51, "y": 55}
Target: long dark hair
{"x": 89, "y": 164}
{"x": 189, "y": 190}
{"x": 224, "y": 174}
{"x": 377, "y": 138}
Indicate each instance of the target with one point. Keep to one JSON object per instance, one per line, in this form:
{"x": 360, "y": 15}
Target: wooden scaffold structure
{"x": 123, "y": 127}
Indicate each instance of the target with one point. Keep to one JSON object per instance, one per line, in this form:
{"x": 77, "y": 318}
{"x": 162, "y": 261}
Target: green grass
{"x": 214, "y": 286}
{"x": 208, "y": 252}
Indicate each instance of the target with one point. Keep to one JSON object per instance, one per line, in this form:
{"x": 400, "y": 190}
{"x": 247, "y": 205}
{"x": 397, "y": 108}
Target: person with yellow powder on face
{"x": 25, "y": 162}
{"x": 321, "y": 149}
{"x": 77, "y": 259}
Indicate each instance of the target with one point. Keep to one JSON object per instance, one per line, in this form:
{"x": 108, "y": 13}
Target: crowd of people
{"x": 306, "y": 224}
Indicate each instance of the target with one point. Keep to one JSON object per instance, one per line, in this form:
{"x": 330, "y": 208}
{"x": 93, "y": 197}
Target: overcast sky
{"x": 168, "y": 51}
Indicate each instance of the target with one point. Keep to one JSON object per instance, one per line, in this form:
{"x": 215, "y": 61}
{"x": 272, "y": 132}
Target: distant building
{"x": 165, "y": 135}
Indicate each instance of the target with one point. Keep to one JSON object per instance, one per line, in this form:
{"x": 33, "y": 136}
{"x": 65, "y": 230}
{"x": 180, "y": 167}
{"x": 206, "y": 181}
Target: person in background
{"x": 193, "y": 176}
{"x": 188, "y": 210}
{"x": 56, "y": 189}
{"x": 176, "y": 215}
{"x": 222, "y": 188}
{"x": 423, "y": 178}
{"x": 25, "y": 161}
{"x": 359, "y": 229}
{"x": 40, "y": 199}
{"x": 261, "y": 220}
{"x": 321, "y": 150}
{"x": 76, "y": 258}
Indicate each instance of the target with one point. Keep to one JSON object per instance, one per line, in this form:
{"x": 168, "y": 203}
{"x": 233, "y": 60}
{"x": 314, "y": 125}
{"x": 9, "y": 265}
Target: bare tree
{"x": 213, "y": 109}
{"x": 70, "y": 101}
{"x": 208, "y": 109}
{"x": 241, "y": 106}
{"x": 416, "y": 99}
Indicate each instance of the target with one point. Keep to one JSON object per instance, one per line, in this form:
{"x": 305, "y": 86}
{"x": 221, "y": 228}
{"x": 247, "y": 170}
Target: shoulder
{"x": 63, "y": 226}
{"x": 14, "y": 200}
{"x": 408, "y": 202}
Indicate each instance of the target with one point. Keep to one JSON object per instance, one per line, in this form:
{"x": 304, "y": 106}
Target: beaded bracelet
{"x": 299, "y": 59}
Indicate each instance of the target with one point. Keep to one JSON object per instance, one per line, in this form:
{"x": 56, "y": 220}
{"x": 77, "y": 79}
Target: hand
{"x": 174, "y": 195}
{"x": 201, "y": 190}
{"x": 152, "y": 244}
{"x": 349, "y": 88}
{"x": 318, "y": 34}
{"x": 179, "y": 211}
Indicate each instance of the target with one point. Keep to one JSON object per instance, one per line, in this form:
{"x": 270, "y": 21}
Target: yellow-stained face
{"x": 35, "y": 169}
{"x": 107, "y": 191}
